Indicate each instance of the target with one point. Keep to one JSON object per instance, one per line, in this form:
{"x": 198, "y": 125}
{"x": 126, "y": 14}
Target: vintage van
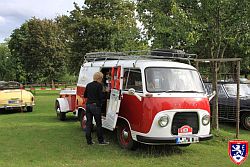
{"x": 150, "y": 98}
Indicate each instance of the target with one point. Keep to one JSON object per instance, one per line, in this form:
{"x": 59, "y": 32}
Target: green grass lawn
{"x": 39, "y": 139}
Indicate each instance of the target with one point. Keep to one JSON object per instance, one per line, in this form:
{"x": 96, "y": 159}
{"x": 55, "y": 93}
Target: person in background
{"x": 94, "y": 95}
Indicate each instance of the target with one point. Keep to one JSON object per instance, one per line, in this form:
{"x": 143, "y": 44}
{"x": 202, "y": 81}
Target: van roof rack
{"x": 163, "y": 54}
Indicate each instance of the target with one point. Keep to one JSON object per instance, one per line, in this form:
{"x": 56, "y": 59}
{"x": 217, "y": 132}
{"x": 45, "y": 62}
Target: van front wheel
{"x": 124, "y": 137}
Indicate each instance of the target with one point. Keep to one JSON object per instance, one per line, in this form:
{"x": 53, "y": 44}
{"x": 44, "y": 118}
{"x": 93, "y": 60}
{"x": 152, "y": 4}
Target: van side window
{"x": 132, "y": 79}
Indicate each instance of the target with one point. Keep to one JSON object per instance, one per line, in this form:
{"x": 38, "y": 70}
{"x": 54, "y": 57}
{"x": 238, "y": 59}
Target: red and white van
{"x": 150, "y": 99}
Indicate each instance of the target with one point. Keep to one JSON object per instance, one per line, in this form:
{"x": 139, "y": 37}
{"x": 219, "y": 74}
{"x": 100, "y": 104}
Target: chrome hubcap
{"x": 58, "y": 110}
{"x": 125, "y": 134}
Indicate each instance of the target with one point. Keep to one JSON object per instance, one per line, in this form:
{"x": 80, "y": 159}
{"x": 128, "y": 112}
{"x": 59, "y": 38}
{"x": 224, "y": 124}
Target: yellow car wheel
{"x": 29, "y": 109}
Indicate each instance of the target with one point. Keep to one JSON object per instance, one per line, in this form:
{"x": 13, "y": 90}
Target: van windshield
{"x": 160, "y": 79}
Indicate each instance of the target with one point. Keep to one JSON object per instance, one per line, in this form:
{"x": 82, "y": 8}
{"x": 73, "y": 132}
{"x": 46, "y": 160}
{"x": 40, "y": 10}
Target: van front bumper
{"x": 169, "y": 140}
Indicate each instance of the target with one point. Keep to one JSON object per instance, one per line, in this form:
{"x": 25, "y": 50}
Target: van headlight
{"x": 205, "y": 120}
{"x": 163, "y": 121}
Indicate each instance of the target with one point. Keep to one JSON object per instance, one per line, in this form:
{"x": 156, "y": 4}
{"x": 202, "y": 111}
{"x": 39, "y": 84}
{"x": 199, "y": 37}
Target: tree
{"x": 206, "y": 27}
{"x": 7, "y": 64}
{"x": 213, "y": 29}
{"x": 37, "y": 45}
{"x": 4, "y": 55}
{"x": 100, "y": 26}
{"x": 166, "y": 24}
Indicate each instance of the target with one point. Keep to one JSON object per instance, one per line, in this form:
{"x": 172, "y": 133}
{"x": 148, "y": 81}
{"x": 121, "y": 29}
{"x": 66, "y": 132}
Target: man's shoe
{"x": 103, "y": 143}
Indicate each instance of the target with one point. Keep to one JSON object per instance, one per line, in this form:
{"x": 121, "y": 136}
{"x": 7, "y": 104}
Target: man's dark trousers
{"x": 92, "y": 110}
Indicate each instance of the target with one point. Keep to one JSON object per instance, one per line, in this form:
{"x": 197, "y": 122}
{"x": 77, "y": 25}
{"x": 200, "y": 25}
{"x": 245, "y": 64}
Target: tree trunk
{"x": 52, "y": 84}
{"x": 215, "y": 122}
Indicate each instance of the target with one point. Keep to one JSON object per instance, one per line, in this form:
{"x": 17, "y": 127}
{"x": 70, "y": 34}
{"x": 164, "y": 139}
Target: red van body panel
{"x": 141, "y": 114}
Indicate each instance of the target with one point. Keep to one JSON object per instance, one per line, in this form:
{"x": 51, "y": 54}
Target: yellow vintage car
{"x": 13, "y": 97}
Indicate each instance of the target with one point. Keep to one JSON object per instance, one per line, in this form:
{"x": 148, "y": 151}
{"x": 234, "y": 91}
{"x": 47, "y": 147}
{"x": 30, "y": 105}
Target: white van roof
{"x": 139, "y": 64}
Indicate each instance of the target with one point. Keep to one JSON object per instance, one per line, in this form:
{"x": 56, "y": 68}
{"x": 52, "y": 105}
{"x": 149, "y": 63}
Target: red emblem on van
{"x": 185, "y": 130}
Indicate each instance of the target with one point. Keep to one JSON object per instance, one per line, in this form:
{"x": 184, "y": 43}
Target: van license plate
{"x": 183, "y": 140}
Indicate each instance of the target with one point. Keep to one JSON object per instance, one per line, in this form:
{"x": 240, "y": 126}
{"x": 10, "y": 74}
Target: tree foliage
{"x": 166, "y": 24}
{"x": 7, "y": 64}
{"x": 213, "y": 29}
{"x": 45, "y": 50}
{"x": 108, "y": 25}
{"x": 39, "y": 50}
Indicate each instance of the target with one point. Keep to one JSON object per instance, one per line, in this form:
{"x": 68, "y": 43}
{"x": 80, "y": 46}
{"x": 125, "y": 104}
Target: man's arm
{"x": 100, "y": 93}
{"x": 86, "y": 92}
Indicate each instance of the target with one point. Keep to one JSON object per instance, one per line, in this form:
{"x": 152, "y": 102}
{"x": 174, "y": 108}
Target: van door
{"x": 115, "y": 98}
{"x": 86, "y": 75}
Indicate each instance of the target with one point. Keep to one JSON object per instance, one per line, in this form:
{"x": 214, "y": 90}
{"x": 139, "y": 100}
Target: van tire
{"x": 245, "y": 120}
{"x": 124, "y": 137}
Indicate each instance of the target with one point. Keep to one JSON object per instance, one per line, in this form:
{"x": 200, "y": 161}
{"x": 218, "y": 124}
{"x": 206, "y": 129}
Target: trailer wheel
{"x": 60, "y": 115}
{"x": 245, "y": 120}
{"x": 124, "y": 137}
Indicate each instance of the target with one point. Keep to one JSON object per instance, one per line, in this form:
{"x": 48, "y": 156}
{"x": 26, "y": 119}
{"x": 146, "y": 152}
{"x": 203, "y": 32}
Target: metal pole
{"x": 215, "y": 122}
{"x": 238, "y": 101}
{"x": 216, "y": 97}
{"x": 21, "y": 89}
{"x": 197, "y": 65}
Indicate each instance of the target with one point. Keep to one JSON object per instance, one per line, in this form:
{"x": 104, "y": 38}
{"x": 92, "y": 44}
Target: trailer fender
{"x": 64, "y": 104}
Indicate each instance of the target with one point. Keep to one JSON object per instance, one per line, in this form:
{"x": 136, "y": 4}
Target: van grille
{"x": 185, "y": 118}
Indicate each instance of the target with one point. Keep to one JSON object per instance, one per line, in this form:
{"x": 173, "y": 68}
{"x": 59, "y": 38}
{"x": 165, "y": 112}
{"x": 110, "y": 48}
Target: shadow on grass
{"x": 160, "y": 150}
{"x": 69, "y": 118}
{"x": 34, "y": 117}
{"x": 231, "y": 127}
{"x": 52, "y": 119}
{"x": 13, "y": 111}
{"x": 147, "y": 150}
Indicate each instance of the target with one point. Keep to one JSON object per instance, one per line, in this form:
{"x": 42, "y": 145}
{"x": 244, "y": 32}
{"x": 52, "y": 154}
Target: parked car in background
{"x": 12, "y": 96}
{"x": 227, "y": 102}
{"x": 244, "y": 80}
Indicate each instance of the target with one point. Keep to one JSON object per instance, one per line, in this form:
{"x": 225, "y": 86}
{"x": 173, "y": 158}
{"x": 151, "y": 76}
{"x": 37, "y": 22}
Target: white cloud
{"x": 13, "y": 13}
{"x": 2, "y": 20}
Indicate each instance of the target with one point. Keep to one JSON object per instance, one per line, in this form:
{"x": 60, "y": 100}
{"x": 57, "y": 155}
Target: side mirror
{"x": 211, "y": 96}
{"x": 131, "y": 91}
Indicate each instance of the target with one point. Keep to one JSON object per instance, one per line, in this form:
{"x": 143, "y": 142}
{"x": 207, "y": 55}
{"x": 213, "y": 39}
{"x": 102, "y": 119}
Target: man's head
{"x": 98, "y": 76}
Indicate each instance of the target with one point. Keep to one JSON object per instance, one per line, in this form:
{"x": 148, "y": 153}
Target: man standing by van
{"x": 93, "y": 93}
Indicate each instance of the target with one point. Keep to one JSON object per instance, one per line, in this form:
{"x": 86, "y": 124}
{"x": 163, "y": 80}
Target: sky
{"x": 13, "y": 13}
